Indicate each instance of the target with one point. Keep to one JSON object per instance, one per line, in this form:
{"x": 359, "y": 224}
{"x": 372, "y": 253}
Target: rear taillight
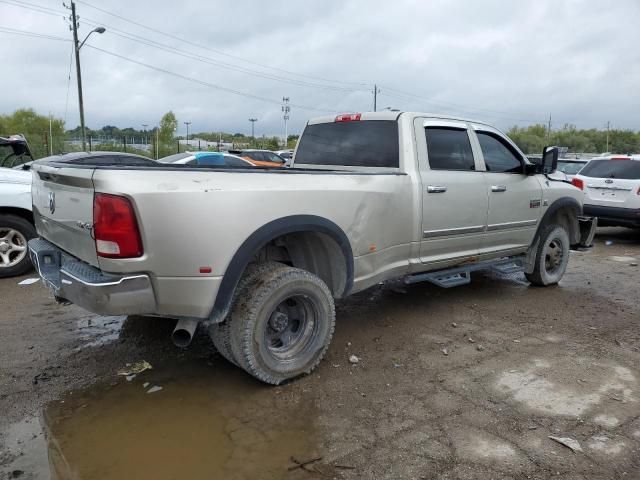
{"x": 620, "y": 158}
{"x": 115, "y": 227}
{"x": 638, "y": 192}
{"x": 578, "y": 182}
{"x": 348, "y": 117}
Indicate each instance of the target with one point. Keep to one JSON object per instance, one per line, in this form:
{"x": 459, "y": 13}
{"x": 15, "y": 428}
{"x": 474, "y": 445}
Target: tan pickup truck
{"x": 259, "y": 255}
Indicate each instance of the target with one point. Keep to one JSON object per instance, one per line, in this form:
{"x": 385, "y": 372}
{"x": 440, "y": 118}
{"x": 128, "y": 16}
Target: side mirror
{"x": 549, "y": 160}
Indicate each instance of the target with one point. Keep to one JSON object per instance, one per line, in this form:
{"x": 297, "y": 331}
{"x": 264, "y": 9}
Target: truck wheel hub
{"x": 4, "y": 246}
{"x": 278, "y": 321}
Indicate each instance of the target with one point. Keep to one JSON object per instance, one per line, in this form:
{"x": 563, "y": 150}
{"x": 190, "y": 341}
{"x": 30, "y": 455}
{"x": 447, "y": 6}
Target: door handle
{"x": 436, "y": 188}
{"x": 498, "y": 188}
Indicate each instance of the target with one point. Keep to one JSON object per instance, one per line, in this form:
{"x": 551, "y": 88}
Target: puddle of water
{"x": 25, "y": 448}
{"x": 97, "y": 330}
{"x": 204, "y": 423}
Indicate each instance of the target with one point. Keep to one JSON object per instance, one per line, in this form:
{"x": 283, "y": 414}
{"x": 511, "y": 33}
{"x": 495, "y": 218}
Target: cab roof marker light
{"x": 348, "y": 117}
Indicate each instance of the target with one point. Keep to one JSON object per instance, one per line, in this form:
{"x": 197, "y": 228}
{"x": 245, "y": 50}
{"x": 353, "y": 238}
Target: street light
{"x": 77, "y": 47}
{"x": 187, "y": 124}
{"x": 253, "y": 122}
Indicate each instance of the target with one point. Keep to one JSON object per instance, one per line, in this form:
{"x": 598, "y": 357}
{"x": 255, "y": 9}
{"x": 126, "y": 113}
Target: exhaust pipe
{"x": 183, "y": 333}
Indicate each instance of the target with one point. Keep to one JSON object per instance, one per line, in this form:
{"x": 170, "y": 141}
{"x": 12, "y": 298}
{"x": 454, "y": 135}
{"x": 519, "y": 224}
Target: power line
{"x": 202, "y": 82}
{"x": 219, "y": 52}
{"x": 13, "y": 31}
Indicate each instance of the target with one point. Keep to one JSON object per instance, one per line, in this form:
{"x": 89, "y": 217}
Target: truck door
{"x": 515, "y": 199}
{"x": 454, "y": 197}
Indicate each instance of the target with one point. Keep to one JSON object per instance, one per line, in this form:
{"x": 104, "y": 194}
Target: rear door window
{"x": 449, "y": 149}
{"x": 367, "y": 143}
{"x": 498, "y": 155}
{"x": 623, "y": 169}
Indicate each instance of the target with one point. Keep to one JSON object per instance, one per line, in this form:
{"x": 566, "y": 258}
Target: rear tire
{"x": 15, "y": 232}
{"x": 283, "y": 327}
{"x": 552, "y": 256}
{"x": 220, "y": 333}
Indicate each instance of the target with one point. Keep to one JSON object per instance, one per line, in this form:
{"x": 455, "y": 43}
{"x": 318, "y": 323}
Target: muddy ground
{"x": 465, "y": 383}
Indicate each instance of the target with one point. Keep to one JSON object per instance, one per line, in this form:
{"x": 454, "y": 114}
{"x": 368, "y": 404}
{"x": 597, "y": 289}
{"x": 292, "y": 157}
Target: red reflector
{"x": 348, "y": 117}
{"x": 578, "y": 182}
{"x": 620, "y": 158}
{"x": 205, "y": 269}
{"x": 115, "y": 227}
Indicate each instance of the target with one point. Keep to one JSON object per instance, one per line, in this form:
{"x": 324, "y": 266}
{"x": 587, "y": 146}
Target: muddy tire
{"x": 220, "y": 333}
{"x": 552, "y": 256}
{"x": 15, "y": 232}
{"x": 283, "y": 327}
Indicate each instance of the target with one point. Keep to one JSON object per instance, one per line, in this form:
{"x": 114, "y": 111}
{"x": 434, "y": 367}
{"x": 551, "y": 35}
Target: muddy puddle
{"x": 205, "y": 422}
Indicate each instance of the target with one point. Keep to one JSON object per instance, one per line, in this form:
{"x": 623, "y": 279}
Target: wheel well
{"x": 18, "y": 212}
{"x": 314, "y": 252}
{"x": 568, "y": 218}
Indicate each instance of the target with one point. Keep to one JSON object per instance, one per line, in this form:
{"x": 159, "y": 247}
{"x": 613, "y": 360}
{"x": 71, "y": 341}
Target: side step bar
{"x": 453, "y": 277}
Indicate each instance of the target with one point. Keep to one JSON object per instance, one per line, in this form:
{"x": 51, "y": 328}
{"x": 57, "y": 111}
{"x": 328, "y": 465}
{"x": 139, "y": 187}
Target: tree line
{"x": 45, "y": 134}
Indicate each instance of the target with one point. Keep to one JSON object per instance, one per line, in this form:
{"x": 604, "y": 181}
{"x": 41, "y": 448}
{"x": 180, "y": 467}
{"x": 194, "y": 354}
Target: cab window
{"x": 449, "y": 149}
{"x": 498, "y": 155}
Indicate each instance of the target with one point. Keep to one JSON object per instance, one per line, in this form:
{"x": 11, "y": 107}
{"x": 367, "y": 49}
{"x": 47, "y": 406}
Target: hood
{"x": 9, "y": 175}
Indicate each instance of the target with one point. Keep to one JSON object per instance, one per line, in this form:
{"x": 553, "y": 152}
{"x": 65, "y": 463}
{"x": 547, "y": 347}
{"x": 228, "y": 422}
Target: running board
{"x": 456, "y": 276}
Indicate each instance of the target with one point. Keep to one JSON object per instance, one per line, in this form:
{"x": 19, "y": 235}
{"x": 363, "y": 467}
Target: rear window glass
{"x": 624, "y": 169}
{"x": 372, "y": 143}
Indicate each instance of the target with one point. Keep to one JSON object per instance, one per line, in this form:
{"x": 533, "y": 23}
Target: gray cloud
{"x": 500, "y": 61}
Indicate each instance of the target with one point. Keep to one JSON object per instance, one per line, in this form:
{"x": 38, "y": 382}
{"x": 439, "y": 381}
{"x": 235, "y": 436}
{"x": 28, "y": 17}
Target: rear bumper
{"x": 77, "y": 282}
{"x": 614, "y": 216}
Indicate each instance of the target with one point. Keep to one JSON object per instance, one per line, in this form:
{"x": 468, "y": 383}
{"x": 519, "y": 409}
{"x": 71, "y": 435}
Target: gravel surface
{"x": 463, "y": 383}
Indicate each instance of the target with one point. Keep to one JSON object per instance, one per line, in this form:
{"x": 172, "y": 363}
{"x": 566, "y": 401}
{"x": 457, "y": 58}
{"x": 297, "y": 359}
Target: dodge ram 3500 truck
{"x": 259, "y": 255}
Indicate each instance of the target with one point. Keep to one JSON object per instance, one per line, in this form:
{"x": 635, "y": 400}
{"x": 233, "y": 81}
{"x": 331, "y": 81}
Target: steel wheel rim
{"x": 292, "y": 328}
{"x": 13, "y": 247}
{"x": 553, "y": 255}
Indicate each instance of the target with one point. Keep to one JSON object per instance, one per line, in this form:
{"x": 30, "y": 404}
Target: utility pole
{"x": 549, "y": 130}
{"x": 608, "y": 125}
{"x": 144, "y": 125}
{"x": 187, "y": 124}
{"x": 253, "y": 131}
{"x": 376, "y": 91}
{"x": 77, "y": 46}
{"x": 285, "y": 109}
{"x": 50, "y": 136}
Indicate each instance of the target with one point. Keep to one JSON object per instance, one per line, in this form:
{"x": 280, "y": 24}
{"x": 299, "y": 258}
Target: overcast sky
{"x": 505, "y": 62}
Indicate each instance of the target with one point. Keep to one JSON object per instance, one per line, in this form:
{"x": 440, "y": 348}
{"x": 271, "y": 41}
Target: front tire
{"x": 15, "y": 232}
{"x": 552, "y": 256}
{"x": 283, "y": 327}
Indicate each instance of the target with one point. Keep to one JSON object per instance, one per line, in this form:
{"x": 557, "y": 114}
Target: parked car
{"x": 370, "y": 197}
{"x": 261, "y": 158}
{"x": 14, "y": 151}
{"x": 211, "y": 159}
{"x": 611, "y": 187}
{"x": 570, "y": 167}
{"x": 16, "y": 218}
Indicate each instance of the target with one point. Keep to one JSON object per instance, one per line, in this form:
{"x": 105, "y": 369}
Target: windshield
{"x": 570, "y": 168}
{"x": 372, "y": 143}
{"x": 174, "y": 158}
{"x": 623, "y": 169}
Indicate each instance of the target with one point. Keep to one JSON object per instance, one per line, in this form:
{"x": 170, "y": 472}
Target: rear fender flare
{"x": 258, "y": 239}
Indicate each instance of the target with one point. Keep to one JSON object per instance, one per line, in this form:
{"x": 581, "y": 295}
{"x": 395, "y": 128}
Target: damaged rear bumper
{"x": 72, "y": 280}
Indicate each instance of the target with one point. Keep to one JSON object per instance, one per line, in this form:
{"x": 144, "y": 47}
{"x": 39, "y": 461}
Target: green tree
{"x": 36, "y": 129}
{"x": 167, "y": 143}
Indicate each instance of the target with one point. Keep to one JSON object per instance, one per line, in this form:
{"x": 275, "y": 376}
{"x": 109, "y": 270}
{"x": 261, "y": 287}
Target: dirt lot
{"x": 465, "y": 383}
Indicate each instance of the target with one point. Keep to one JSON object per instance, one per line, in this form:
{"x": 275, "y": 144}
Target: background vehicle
{"x": 370, "y": 197}
{"x": 611, "y": 187}
{"x": 16, "y": 220}
{"x": 570, "y": 167}
{"x": 286, "y": 154}
{"x": 14, "y": 151}
{"x": 261, "y": 158}
{"x": 206, "y": 158}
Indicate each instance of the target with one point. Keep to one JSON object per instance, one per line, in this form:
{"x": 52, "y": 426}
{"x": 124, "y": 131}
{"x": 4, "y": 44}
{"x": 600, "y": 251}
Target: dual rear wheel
{"x": 281, "y": 323}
